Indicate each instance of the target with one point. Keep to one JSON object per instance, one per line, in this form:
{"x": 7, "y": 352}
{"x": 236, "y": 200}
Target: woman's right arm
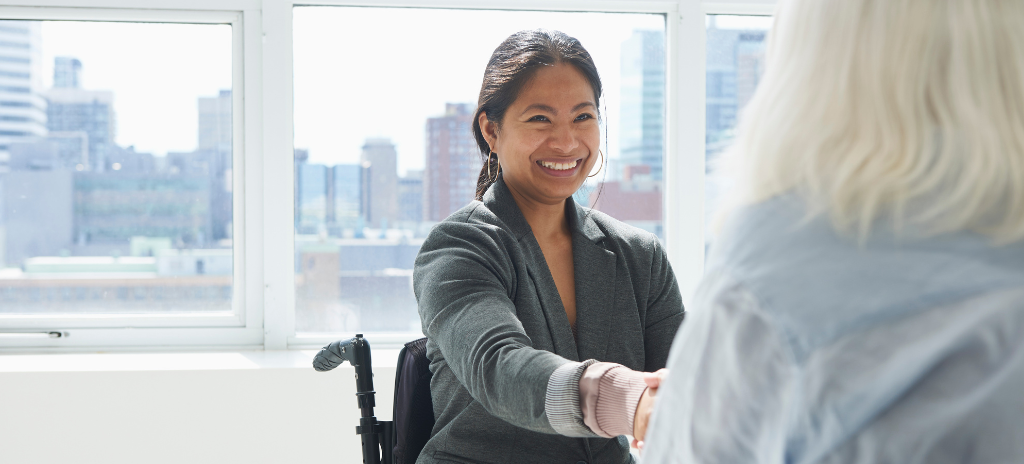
{"x": 729, "y": 384}
{"x": 464, "y": 282}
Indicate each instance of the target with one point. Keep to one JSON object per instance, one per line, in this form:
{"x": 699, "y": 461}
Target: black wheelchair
{"x": 400, "y": 440}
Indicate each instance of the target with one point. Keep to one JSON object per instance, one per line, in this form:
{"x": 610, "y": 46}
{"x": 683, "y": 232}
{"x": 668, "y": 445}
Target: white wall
{"x": 189, "y": 408}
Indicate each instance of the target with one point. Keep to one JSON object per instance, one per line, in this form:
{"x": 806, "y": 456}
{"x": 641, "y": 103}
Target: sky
{"x": 359, "y": 72}
{"x": 156, "y": 71}
{"x": 381, "y": 72}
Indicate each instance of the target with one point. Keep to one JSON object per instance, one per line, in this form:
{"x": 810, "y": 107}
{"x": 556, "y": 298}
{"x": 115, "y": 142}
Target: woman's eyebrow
{"x": 543, "y": 107}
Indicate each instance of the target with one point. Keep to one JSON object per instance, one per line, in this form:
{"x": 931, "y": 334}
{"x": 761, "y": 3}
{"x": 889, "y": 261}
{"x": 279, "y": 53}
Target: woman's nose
{"x": 563, "y": 139}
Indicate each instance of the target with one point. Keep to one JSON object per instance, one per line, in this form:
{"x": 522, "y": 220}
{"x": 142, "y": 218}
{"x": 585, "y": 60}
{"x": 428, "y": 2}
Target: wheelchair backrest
{"x": 413, "y": 407}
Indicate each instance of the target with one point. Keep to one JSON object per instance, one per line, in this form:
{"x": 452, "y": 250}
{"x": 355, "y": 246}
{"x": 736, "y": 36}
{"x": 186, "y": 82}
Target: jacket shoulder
{"x": 618, "y": 231}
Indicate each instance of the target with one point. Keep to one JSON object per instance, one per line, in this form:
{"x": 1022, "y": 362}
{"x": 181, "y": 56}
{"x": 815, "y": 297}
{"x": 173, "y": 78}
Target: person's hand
{"x": 645, "y": 406}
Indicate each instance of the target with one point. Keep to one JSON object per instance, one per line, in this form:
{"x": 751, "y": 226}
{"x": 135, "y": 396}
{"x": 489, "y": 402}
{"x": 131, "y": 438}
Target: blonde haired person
{"x": 864, "y": 296}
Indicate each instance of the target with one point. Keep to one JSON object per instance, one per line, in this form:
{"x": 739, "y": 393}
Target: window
{"x": 384, "y": 147}
{"x": 735, "y": 63}
{"x": 310, "y": 96}
{"x": 117, "y": 159}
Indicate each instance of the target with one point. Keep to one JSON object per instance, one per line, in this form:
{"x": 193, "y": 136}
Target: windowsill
{"x": 208, "y": 361}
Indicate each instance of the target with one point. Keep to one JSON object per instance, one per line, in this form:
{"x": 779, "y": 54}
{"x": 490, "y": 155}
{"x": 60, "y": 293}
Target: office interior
{"x": 195, "y": 196}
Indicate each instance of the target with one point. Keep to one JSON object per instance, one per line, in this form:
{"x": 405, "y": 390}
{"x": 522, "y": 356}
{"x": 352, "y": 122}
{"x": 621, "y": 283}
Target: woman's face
{"x": 549, "y": 138}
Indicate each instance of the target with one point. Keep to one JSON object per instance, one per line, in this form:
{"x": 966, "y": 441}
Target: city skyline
{"x": 359, "y": 220}
{"x": 100, "y": 46}
{"x": 149, "y": 68}
{"x": 424, "y": 75}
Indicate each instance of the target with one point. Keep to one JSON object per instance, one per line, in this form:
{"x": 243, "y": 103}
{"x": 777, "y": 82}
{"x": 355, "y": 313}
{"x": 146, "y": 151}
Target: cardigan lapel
{"x": 500, "y": 201}
{"x": 595, "y": 284}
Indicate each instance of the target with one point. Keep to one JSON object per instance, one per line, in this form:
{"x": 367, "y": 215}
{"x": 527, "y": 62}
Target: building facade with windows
{"x": 380, "y": 159}
{"x": 345, "y": 207}
{"x": 22, "y": 103}
{"x": 410, "y": 199}
{"x": 735, "y": 61}
{"x": 452, "y": 162}
{"x": 642, "y": 130}
{"x": 74, "y": 110}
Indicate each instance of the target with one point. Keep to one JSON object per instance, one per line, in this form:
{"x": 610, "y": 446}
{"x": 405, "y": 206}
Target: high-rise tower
{"x": 74, "y": 110}
{"x": 67, "y": 72}
{"x": 215, "y": 122}
{"x": 22, "y": 106}
{"x": 381, "y": 162}
{"x": 735, "y": 62}
{"x": 453, "y": 162}
{"x": 643, "y": 101}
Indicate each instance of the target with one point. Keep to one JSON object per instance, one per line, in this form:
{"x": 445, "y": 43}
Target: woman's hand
{"x": 645, "y": 406}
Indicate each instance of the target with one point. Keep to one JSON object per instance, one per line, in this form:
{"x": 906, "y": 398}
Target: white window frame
{"x": 242, "y": 325}
{"x": 264, "y": 280}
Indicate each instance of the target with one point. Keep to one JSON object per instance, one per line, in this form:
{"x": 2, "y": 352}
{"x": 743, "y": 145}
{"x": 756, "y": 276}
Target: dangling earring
{"x": 495, "y": 156}
{"x": 602, "y": 164}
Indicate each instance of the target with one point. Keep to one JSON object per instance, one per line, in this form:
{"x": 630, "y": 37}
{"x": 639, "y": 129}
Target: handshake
{"x": 645, "y": 407}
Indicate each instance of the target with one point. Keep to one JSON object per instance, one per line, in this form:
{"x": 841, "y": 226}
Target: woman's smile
{"x": 560, "y": 167}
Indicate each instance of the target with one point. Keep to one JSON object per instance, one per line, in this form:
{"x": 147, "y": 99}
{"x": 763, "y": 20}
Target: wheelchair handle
{"x": 357, "y": 352}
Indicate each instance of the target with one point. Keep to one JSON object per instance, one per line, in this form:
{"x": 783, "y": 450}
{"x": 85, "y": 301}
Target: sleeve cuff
{"x": 562, "y": 400}
{"x": 619, "y": 392}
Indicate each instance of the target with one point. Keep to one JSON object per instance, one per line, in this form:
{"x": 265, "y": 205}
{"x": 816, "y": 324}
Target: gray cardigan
{"x": 498, "y": 330}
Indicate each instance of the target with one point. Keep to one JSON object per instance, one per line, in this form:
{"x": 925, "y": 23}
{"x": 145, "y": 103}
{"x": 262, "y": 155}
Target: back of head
{"x": 908, "y": 109}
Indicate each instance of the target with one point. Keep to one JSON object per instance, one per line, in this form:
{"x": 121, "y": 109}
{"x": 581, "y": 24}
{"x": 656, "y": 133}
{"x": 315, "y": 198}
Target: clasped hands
{"x": 645, "y": 406}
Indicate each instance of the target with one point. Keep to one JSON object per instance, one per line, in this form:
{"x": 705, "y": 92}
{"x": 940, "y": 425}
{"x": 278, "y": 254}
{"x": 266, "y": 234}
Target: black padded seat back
{"x": 414, "y": 409}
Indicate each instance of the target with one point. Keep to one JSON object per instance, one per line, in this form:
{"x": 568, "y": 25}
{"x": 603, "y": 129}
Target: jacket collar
{"x": 594, "y": 276}
{"x": 499, "y": 200}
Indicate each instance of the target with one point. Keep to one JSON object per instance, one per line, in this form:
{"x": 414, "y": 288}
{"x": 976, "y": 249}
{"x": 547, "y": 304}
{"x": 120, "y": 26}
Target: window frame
{"x": 238, "y": 327}
{"x": 263, "y": 177}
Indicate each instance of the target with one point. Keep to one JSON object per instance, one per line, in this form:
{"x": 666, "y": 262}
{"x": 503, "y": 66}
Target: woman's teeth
{"x": 559, "y": 166}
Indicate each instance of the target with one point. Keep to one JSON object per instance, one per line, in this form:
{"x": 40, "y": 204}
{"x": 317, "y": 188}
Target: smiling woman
{"x": 547, "y": 144}
{"x": 518, "y": 287}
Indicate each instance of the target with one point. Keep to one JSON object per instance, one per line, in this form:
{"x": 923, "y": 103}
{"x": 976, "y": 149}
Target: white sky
{"x": 156, "y": 71}
{"x": 359, "y": 72}
{"x": 368, "y": 72}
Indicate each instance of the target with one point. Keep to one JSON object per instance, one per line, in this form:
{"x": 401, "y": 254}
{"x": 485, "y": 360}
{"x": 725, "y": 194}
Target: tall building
{"x": 67, "y": 72}
{"x": 215, "y": 122}
{"x": 735, "y": 62}
{"x": 453, "y": 162}
{"x": 214, "y": 141}
{"x": 643, "y": 101}
{"x": 312, "y": 198}
{"x": 72, "y": 110}
{"x": 410, "y": 198}
{"x": 381, "y": 162}
{"x": 345, "y": 196}
{"x": 22, "y": 105}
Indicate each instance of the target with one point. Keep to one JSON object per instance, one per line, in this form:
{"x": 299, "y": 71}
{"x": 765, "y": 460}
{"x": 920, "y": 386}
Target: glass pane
{"x": 385, "y": 150}
{"x": 115, "y": 168}
{"x": 735, "y": 63}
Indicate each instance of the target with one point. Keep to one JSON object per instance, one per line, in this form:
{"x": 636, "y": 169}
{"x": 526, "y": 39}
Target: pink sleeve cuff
{"x": 609, "y": 394}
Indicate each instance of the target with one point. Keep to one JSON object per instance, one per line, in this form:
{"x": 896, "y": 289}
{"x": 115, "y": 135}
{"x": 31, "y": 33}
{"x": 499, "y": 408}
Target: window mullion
{"x": 278, "y": 175}
{"x": 684, "y": 159}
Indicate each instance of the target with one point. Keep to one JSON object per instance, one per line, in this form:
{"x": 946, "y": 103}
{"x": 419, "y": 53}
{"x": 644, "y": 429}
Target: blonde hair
{"x": 908, "y": 108}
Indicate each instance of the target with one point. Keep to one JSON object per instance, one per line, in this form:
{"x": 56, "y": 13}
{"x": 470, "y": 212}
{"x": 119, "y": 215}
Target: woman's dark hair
{"x": 511, "y": 66}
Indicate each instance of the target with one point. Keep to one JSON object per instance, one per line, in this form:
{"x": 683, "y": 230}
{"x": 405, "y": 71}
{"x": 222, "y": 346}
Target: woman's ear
{"x": 489, "y": 130}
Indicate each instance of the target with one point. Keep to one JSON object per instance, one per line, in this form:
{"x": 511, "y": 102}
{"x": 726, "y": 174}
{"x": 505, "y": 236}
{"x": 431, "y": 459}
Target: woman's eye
{"x": 584, "y": 117}
{"x": 538, "y": 118}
